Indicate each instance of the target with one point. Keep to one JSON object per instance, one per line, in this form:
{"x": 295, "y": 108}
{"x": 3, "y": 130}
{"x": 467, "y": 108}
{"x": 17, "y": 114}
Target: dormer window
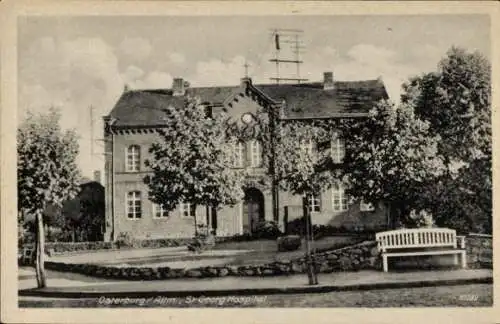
{"x": 133, "y": 158}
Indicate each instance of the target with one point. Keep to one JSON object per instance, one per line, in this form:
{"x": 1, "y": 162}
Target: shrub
{"x": 289, "y": 243}
{"x": 202, "y": 241}
{"x": 125, "y": 240}
{"x": 267, "y": 230}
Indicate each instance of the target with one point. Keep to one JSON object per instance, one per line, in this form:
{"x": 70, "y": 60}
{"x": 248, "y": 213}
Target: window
{"x": 134, "y": 208}
{"x": 188, "y": 210}
{"x": 314, "y": 202}
{"x": 256, "y": 153}
{"x": 239, "y": 154}
{"x": 159, "y": 211}
{"x": 365, "y": 207}
{"x": 339, "y": 200}
{"x": 306, "y": 146}
{"x": 133, "y": 158}
{"x": 338, "y": 149}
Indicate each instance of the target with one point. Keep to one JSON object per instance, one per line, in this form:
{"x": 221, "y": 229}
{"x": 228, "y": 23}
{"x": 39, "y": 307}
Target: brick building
{"x": 131, "y": 127}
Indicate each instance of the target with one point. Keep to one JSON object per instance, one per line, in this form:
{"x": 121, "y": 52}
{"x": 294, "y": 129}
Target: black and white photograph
{"x": 292, "y": 159}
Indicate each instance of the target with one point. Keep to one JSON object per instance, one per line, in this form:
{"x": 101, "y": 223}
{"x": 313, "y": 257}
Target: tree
{"x": 47, "y": 172}
{"x": 456, "y": 102}
{"x": 84, "y": 215}
{"x": 302, "y": 160}
{"x": 391, "y": 158}
{"x": 192, "y": 160}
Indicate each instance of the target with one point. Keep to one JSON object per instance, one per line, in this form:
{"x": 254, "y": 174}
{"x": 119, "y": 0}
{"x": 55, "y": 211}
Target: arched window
{"x": 133, "y": 158}
{"x": 255, "y": 153}
{"x": 134, "y": 205}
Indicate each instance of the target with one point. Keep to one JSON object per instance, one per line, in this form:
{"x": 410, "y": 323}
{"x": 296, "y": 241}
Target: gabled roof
{"x": 307, "y": 100}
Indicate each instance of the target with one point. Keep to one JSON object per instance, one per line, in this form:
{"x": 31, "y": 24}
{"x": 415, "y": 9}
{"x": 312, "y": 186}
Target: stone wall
{"x": 479, "y": 251}
{"x": 352, "y": 258}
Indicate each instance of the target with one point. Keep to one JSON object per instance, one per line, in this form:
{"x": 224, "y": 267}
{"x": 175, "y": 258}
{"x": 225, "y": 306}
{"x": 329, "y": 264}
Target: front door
{"x": 253, "y": 209}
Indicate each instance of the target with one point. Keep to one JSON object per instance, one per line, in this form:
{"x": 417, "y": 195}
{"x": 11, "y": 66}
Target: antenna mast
{"x": 92, "y": 135}
{"x": 291, "y": 37}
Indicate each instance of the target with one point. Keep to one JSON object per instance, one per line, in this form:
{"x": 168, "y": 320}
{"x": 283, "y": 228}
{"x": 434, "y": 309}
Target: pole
{"x": 311, "y": 273}
{"x": 272, "y": 162}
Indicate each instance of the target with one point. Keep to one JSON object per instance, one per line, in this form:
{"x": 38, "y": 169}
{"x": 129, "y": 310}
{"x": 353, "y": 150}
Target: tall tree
{"x": 191, "y": 162}
{"x": 456, "y": 102}
{"x": 391, "y": 158}
{"x": 47, "y": 172}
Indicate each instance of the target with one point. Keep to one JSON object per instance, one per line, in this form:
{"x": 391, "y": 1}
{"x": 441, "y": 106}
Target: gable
{"x": 242, "y": 104}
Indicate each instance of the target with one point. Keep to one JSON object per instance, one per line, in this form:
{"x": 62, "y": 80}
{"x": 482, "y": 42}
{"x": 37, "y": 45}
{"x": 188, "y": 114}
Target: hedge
{"x": 63, "y": 247}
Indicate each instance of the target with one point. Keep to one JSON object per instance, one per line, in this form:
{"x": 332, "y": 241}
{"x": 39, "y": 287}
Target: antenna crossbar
{"x": 284, "y": 61}
{"x": 288, "y": 79}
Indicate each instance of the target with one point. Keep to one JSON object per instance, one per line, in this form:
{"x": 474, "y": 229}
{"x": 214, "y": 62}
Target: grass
{"x": 477, "y": 295}
{"x": 266, "y": 251}
{"x": 248, "y": 252}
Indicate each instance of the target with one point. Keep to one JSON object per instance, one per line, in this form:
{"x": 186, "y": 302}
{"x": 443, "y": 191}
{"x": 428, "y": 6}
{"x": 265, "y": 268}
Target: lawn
{"x": 266, "y": 251}
{"x": 477, "y": 295}
{"x": 233, "y": 253}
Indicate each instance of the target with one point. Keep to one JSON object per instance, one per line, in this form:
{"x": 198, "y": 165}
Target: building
{"x": 131, "y": 127}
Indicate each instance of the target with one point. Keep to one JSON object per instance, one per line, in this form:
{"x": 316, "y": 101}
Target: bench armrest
{"x": 461, "y": 241}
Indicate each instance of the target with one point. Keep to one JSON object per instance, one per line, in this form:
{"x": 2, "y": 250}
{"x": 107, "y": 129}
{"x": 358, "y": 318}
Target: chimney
{"x": 178, "y": 87}
{"x": 328, "y": 83}
{"x": 97, "y": 176}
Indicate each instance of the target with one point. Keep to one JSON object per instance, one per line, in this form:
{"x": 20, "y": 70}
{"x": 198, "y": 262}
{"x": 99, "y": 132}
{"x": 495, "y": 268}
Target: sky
{"x": 79, "y": 62}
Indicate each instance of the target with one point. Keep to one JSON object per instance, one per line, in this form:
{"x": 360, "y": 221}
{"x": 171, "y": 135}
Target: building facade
{"x": 131, "y": 127}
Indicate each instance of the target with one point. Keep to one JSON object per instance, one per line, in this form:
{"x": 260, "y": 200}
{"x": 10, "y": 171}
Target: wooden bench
{"x": 420, "y": 241}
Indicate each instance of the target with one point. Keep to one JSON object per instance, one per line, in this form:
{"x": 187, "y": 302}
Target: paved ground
{"x": 480, "y": 295}
{"x": 72, "y": 284}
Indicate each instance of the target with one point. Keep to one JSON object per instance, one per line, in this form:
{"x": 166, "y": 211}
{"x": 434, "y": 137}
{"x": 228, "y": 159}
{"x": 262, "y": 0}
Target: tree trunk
{"x": 396, "y": 210}
{"x": 311, "y": 273}
{"x": 40, "y": 252}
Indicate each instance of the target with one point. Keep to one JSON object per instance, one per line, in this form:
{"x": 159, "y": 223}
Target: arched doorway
{"x": 253, "y": 209}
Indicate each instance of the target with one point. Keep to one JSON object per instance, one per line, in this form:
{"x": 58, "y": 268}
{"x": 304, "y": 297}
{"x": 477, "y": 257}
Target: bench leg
{"x": 384, "y": 263}
{"x": 464, "y": 260}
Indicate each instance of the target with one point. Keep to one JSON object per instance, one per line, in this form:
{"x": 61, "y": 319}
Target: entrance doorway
{"x": 253, "y": 209}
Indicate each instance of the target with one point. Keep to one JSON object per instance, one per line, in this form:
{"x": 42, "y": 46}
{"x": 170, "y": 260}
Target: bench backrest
{"x": 415, "y": 238}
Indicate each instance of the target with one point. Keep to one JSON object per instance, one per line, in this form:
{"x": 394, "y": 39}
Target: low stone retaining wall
{"x": 352, "y": 258}
{"x": 479, "y": 250}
